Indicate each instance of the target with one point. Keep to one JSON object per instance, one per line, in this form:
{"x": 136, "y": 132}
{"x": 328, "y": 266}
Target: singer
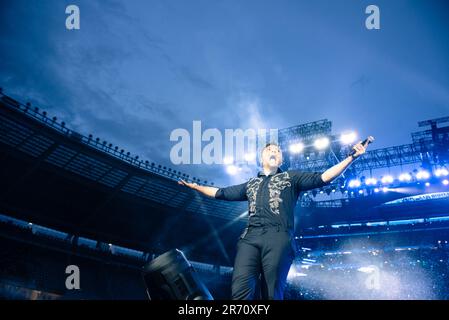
{"x": 266, "y": 247}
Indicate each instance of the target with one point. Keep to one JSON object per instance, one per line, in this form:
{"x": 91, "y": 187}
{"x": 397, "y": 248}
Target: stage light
{"x": 371, "y": 181}
{"x": 348, "y": 138}
{"x": 296, "y": 147}
{"x": 228, "y": 160}
{"x": 368, "y": 269}
{"x": 250, "y": 157}
{"x": 384, "y": 189}
{"x": 441, "y": 172}
{"x": 321, "y": 143}
{"x": 387, "y": 179}
{"x": 171, "y": 277}
{"x": 422, "y": 175}
{"x": 360, "y": 191}
{"x": 427, "y": 184}
{"x": 232, "y": 170}
{"x": 445, "y": 182}
{"x": 376, "y": 190}
{"x": 294, "y": 273}
{"x": 354, "y": 183}
{"x": 405, "y": 177}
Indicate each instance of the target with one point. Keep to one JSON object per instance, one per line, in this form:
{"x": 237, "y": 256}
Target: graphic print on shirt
{"x": 251, "y": 192}
{"x": 277, "y": 183}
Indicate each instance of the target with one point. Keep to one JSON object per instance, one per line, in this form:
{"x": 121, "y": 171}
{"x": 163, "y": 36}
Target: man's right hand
{"x": 208, "y": 191}
{"x": 188, "y": 184}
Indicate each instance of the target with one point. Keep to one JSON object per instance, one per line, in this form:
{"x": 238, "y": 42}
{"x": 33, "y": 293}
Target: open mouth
{"x": 272, "y": 158}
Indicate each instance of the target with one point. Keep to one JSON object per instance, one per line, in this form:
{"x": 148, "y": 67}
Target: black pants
{"x": 265, "y": 255}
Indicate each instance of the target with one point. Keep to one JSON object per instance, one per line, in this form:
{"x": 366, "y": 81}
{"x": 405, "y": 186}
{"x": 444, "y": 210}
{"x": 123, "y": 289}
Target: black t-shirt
{"x": 272, "y": 199}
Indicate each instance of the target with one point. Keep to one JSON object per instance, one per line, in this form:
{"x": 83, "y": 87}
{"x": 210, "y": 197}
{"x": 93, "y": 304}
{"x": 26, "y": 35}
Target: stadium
{"x": 72, "y": 199}
{"x": 242, "y": 152}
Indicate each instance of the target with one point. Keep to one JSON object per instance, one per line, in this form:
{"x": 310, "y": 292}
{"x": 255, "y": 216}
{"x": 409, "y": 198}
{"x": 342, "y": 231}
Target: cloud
{"x": 81, "y": 79}
{"x": 137, "y": 70}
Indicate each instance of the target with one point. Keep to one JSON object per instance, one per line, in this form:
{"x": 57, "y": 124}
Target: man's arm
{"x": 208, "y": 191}
{"x": 335, "y": 171}
{"x": 231, "y": 193}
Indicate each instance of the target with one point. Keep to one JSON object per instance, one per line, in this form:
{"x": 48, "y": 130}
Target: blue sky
{"x": 136, "y": 70}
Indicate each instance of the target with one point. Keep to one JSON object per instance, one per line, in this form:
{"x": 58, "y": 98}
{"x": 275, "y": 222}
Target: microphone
{"x": 365, "y": 142}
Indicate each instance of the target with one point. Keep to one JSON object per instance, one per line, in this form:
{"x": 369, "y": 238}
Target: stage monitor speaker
{"x": 170, "y": 276}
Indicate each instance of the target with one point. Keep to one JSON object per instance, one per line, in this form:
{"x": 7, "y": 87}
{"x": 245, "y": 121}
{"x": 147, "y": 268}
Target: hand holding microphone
{"x": 360, "y": 148}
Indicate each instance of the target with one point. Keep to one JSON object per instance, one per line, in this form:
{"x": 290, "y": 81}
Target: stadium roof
{"x": 58, "y": 177}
